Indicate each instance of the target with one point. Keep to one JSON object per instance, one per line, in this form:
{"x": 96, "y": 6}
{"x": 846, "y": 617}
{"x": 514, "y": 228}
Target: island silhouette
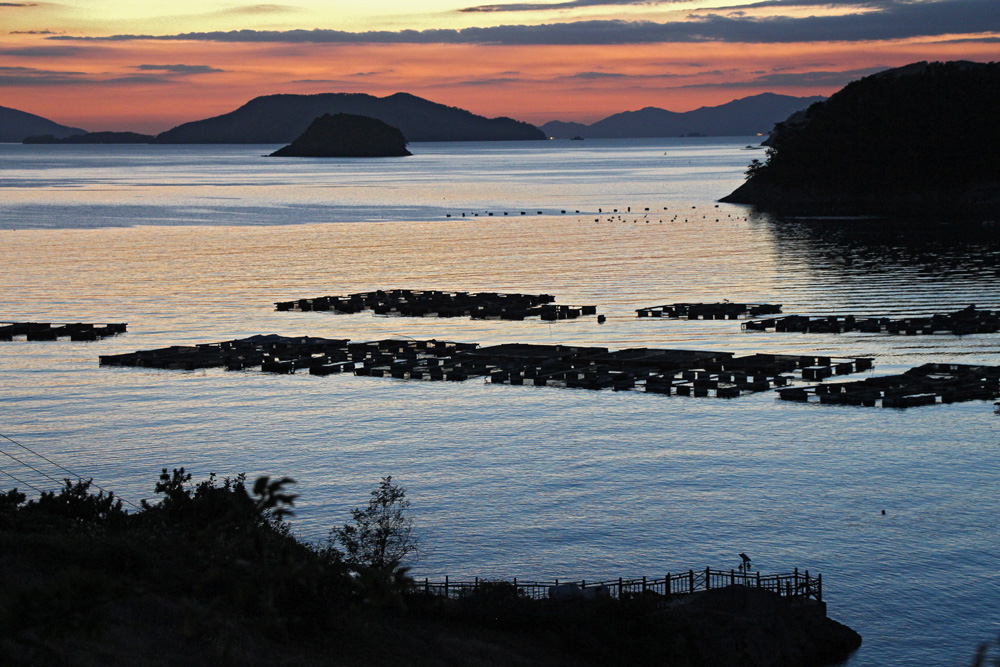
{"x": 346, "y": 135}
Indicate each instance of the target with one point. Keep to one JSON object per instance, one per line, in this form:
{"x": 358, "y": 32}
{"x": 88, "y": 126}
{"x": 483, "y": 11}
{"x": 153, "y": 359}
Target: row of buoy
{"x": 627, "y": 209}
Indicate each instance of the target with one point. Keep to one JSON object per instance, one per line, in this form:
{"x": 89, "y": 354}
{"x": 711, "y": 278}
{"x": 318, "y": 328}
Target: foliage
{"x": 381, "y": 536}
{"x": 220, "y": 558}
{"x": 76, "y": 501}
{"x": 215, "y": 559}
{"x": 271, "y": 498}
{"x": 73, "y": 503}
{"x": 209, "y": 502}
{"x": 10, "y": 503}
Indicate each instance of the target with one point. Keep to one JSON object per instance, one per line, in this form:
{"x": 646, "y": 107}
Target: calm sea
{"x": 192, "y": 244}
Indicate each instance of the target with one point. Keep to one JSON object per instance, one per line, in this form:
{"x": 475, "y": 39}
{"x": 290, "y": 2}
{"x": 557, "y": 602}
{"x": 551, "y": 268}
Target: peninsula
{"x": 915, "y": 141}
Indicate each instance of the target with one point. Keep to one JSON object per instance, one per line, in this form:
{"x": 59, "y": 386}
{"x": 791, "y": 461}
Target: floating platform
{"x": 710, "y": 311}
{"x": 969, "y": 320}
{"x": 44, "y": 331}
{"x": 661, "y": 371}
{"x": 433, "y": 303}
{"x": 924, "y": 385}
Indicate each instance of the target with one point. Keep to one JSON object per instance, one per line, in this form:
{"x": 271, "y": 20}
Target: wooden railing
{"x": 792, "y": 586}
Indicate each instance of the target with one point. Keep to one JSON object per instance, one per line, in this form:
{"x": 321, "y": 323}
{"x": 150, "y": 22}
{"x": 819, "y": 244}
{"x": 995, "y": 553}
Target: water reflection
{"x": 860, "y": 245}
{"x": 894, "y": 265}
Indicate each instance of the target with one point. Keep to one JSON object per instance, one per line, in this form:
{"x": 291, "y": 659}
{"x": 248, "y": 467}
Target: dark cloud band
{"x": 817, "y": 79}
{"x": 892, "y": 20}
{"x": 569, "y": 4}
{"x": 31, "y": 77}
{"x": 179, "y": 69}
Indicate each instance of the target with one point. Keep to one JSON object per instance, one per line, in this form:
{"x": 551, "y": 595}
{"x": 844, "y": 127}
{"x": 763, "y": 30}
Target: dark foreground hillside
{"x": 920, "y": 140}
{"x": 210, "y": 575}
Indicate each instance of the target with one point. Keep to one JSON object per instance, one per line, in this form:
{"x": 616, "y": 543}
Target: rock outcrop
{"x": 737, "y": 626}
{"x": 347, "y": 135}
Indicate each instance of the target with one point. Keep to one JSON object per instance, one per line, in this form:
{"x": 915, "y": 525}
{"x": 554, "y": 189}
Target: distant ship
{"x": 577, "y": 138}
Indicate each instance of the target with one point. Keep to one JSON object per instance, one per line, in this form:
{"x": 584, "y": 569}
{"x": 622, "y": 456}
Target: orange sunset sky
{"x": 146, "y": 67}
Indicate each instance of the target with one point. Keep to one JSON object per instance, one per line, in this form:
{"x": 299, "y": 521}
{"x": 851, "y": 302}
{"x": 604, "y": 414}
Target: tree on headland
{"x": 381, "y": 536}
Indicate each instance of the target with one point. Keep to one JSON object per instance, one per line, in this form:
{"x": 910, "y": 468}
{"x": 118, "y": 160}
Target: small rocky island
{"x": 915, "y": 141}
{"x": 347, "y": 135}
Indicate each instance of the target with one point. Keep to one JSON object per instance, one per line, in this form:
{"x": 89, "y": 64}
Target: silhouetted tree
{"x": 381, "y": 536}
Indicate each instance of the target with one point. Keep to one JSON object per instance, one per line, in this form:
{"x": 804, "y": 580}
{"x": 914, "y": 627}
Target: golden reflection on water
{"x": 616, "y": 263}
{"x": 212, "y": 283}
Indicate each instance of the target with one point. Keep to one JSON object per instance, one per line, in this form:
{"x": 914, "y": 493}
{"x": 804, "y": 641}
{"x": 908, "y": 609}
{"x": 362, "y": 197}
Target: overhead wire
{"x": 50, "y": 461}
{"x": 21, "y": 481}
{"x": 30, "y": 467}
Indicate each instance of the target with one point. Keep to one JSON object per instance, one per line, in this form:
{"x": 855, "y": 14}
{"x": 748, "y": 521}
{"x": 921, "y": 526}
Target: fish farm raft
{"x": 44, "y": 331}
{"x": 660, "y": 371}
{"x": 433, "y": 303}
{"x": 961, "y": 322}
{"x": 710, "y": 311}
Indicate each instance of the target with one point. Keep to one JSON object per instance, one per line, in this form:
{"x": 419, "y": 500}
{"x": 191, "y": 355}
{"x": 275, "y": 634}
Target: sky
{"x": 146, "y": 67}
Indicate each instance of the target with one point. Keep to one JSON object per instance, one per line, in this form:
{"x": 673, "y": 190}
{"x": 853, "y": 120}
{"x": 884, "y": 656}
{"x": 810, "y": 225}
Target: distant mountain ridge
{"x": 274, "y": 119}
{"x": 280, "y": 119}
{"x": 742, "y": 117}
{"x": 16, "y": 126}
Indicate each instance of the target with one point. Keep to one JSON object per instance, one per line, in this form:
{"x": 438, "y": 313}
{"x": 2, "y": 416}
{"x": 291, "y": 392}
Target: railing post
{"x": 446, "y": 585}
{"x": 427, "y": 585}
{"x": 808, "y": 589}
{"x": 758, "y": 578}
{"x": 668, "y": 591}
{"x": 708, "y": 579}
{"x": 732, "y": 577}
{"x": 819, "y": 587}
{"x": 690, "y": 581}
{"x": 619, "y": 588}
{"x": 644, "y": 584}
{"x": 583, "y": 583}
{"x": 796, "y": 575}
{"x": 477, "y": 584}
